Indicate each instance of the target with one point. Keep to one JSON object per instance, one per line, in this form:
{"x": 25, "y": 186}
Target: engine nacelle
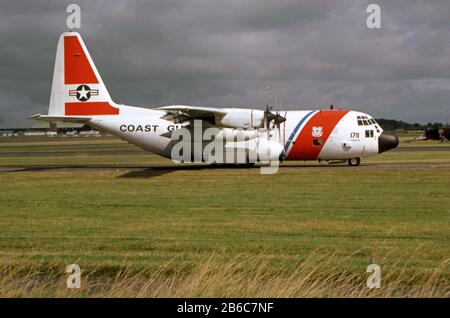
{"x": 243, "y": 118}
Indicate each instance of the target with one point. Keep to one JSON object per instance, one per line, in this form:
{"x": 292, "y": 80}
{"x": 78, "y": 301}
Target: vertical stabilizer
{"x": 78, "y": 89}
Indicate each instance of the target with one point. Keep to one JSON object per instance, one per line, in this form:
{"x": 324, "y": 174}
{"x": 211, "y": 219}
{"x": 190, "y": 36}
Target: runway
{"x": 191, "y": 167}
{"x": 422, "y": 148}
{"x": 71, "y": 153}
{"x": 132, "y": 161}
{"x": 139, "y": 152}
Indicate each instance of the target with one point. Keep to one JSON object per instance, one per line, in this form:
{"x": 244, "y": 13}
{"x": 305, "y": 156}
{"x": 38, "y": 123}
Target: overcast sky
{"x": 224, "y": 53}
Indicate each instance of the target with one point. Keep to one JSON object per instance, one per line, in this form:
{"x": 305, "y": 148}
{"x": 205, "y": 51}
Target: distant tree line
{"x": 392, "y": 124}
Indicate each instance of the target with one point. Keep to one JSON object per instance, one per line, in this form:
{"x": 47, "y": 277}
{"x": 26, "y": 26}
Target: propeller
{"x": 269, "y": 115}
{"x": 278, "y": 119}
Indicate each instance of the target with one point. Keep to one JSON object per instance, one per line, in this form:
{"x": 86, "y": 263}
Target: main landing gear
{"x": 354, "y": 161}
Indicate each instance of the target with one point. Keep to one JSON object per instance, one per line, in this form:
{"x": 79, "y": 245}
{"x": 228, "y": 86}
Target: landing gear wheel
{"x": 354, "y": 161}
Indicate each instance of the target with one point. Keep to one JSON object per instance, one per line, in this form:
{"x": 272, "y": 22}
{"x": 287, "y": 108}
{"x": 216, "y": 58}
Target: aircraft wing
{"x": 228, "y": 117}
{"x": 195, "y": 111}
{"x": 208, "y": 114}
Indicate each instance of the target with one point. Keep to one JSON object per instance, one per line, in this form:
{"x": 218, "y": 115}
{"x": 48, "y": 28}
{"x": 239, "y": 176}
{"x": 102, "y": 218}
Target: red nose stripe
{"x": 77, "y": 69}
{"x": 90, "y": 108}
{"x": 324, "y": 121}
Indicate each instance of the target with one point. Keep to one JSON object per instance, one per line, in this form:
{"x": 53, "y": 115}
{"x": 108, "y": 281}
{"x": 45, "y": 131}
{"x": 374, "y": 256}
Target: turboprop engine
{"x": 243, "y": 118}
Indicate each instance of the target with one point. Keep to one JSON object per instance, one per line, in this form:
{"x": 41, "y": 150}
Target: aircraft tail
{"x": 78, "y": 90}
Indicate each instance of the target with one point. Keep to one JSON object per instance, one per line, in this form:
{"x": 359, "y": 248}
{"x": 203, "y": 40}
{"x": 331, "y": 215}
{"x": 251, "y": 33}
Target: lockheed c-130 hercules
{"x": 79, "y": 95}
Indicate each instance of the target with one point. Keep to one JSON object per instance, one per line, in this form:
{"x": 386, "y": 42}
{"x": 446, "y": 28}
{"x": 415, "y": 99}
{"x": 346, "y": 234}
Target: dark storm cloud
{"x": 224, "y": 53}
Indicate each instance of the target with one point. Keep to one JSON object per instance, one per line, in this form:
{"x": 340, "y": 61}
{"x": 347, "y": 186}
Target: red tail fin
{"x": 78, "y": 89}
{"x": 77, "y": 69}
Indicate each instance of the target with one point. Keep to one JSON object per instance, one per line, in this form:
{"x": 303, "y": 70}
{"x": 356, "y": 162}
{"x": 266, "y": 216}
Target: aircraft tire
{"x": 354, "y": 161}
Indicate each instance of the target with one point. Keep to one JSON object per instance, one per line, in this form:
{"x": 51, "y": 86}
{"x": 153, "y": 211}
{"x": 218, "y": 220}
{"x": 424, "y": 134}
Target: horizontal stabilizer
{"x": 50, "y": 119}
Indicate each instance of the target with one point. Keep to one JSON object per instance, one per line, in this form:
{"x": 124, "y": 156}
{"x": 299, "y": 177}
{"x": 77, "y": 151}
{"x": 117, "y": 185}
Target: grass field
{"x": 139, "y": 226}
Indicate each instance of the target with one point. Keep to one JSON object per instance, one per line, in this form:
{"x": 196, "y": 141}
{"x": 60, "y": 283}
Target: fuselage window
{"x": 369, "y": 133}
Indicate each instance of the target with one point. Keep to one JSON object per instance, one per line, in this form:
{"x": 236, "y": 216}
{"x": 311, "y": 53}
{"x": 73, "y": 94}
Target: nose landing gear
{"x": 354, "y": 161}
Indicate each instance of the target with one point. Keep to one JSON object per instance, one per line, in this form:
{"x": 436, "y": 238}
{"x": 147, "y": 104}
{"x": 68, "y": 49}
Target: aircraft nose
{"x": 387, "y": 141}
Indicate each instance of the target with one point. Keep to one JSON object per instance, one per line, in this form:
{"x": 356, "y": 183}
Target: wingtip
{"x": 35, "y": 116}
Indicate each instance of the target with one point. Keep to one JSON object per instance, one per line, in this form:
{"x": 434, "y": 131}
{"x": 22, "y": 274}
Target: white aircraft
{"x": 79, "y": 95}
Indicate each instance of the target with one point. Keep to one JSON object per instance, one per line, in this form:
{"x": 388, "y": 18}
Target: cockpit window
{"x": 365, "y": 121}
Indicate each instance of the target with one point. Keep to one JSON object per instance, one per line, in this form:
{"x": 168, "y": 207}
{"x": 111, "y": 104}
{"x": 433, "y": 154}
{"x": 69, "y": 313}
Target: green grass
{"x": 170, "y": 222}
